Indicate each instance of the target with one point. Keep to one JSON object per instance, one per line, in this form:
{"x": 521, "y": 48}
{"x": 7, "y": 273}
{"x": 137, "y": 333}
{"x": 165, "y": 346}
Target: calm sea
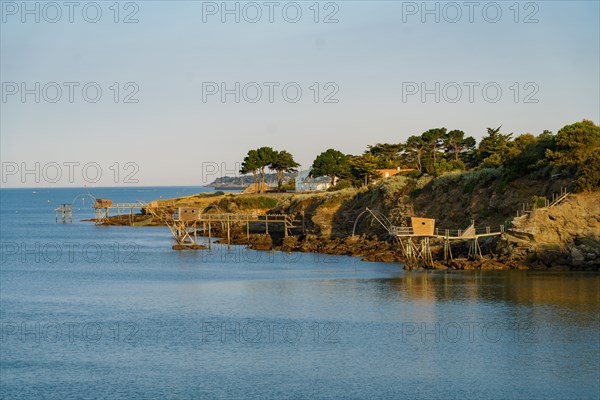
{"x": 112, "y": 312}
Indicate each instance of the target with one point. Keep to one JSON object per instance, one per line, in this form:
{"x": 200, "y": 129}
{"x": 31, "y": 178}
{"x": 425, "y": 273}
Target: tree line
{"x": 573, "y": 151}
{"x": 259, "y": 159}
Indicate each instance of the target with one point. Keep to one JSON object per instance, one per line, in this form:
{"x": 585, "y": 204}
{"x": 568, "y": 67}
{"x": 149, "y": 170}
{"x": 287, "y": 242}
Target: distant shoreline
{"x": 226, "y": 187}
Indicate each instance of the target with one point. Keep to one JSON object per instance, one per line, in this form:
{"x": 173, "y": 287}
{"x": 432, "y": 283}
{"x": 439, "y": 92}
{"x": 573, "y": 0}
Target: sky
{"x": 176, "y": 93}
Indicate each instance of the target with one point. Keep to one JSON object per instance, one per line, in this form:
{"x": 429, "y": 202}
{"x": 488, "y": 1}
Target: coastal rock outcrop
{"x": 564, "y": 236}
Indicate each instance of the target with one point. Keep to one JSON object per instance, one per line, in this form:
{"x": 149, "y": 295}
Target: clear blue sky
{"x": 369, "y": 54}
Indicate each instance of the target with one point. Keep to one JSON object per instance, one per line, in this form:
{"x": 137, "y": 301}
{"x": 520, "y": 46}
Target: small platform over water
{"x": 65, "y": 210}
{"x": 186, "y": 221}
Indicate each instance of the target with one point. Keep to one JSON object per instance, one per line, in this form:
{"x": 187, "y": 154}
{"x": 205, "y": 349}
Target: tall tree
{"x": 264, "y": 159}
{"x": 387, "y": 153}
{"x": 364, "y": 167}
{"x": 433, "y": 139}
{"x": 575, "y": 143}
{"x": 414, "y": 151}
{"x": 250, "y": 165}
{"x": 456, "y": 142}
{"x": 493, "y": 148}
{"x": 282, "y": 162}
{"x": 576, "y": 149}
{"x": 331, "y": 163}
{"x": 255, "y": 162}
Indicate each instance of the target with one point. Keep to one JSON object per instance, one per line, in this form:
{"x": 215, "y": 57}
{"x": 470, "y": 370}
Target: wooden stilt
{"x": 248, "y": 230}
{"x": 64, "y": 210}
{"x": 228, "y": 233}
{"x": 209, "y": 224}
{"x": 195, "y": 235}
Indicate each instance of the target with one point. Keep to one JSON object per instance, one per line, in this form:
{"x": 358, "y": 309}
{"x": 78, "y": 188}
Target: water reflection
{"x": 570, "y": 290}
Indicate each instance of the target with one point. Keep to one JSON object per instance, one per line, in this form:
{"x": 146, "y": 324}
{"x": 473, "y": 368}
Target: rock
{"x": 188, "y": 247}
{"x": 381, "y": 257}
{"x": 260, "y": 242}
{"x": 577, "y": 257}
{"x": 440, "y": 266}
{"x": 492, "y": 264}
{"x": 290, "y": 243}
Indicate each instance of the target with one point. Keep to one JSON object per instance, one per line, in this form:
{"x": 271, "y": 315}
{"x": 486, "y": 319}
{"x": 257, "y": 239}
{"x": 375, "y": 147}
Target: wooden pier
{"x": 186, "y": 221}
{"x": 103, "y": 207}
{"x": 415, "y": 240}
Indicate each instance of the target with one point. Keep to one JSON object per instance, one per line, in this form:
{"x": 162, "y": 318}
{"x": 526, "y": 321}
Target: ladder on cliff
{"x": 557, "y": 198}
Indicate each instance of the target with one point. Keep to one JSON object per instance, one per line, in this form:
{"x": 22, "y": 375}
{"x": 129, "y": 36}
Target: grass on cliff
{"x": 245, "y": 202}
{"x": 469, "y": 180}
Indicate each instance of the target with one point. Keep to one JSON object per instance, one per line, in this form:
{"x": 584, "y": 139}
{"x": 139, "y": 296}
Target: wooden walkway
{"x": 185, "y": 223}
{"x": 416, "y": 244}
{"x": 102, "y": 212}
{"x": 450, "y": 234}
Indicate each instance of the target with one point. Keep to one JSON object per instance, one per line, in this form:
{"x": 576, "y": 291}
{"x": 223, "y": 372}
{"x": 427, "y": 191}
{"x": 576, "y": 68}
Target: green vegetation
{"x": 387, "y": 153}
{"x": 257, "y": 160}
{"x": 247, "y": 180}
{"x": 236, "y": 203}
{"x": 576, "y": 149}
{"x": 493, "y": 149}
{"x": 341, "y": 184}
{"x": 456, "y": 143}
{"x": 251, "y": 165}
{"x": 208, "y": 194}
{"x": 537, "y": 202}
{"x": 390, "y": 188}
{"x": 331, "y": 163}
{"x": 574, "y": 152}
{"x": 282, "y": 161}
{"x": 364, "y": 168}
{"x": 289, "y": 185}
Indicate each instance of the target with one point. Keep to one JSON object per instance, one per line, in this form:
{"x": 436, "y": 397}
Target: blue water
{"x": 112, "y": 312}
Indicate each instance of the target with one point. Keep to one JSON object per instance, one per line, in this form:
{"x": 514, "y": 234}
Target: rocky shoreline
{"x": 376, "y": 250}
{"x": 499, "y": 254}
{"x": 564, "y": 237}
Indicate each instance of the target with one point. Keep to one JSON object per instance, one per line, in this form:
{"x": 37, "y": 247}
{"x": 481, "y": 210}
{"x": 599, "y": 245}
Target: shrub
{"x": 447, "y": 180}
{"x": 537, "y": 202}
{"x": 416, "y": 174}
{"x": 415, "y": 193}
{"x": 340, "y": 185}
{"x": 248, "y": 202}
{"x": 504, "y": 184}
{"x": 443, "y": 166}
{"x": 423, "y": 181}
{"x": 482, "y": 176}
{"x": 589, "y": 175}
{"x": 391, "y": 186}
{"x": 468, "y": 188}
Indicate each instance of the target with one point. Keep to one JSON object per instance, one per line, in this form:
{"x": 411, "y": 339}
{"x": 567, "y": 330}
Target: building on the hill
{"x": 305, "y": 183}
{"x": 386, "y": 173}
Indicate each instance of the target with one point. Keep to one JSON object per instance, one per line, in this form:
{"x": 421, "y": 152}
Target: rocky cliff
{"x": 565, "y": 236}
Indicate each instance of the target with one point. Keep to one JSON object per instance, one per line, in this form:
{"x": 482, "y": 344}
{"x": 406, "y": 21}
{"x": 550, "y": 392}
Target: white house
{"x": 305, "y": 183}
